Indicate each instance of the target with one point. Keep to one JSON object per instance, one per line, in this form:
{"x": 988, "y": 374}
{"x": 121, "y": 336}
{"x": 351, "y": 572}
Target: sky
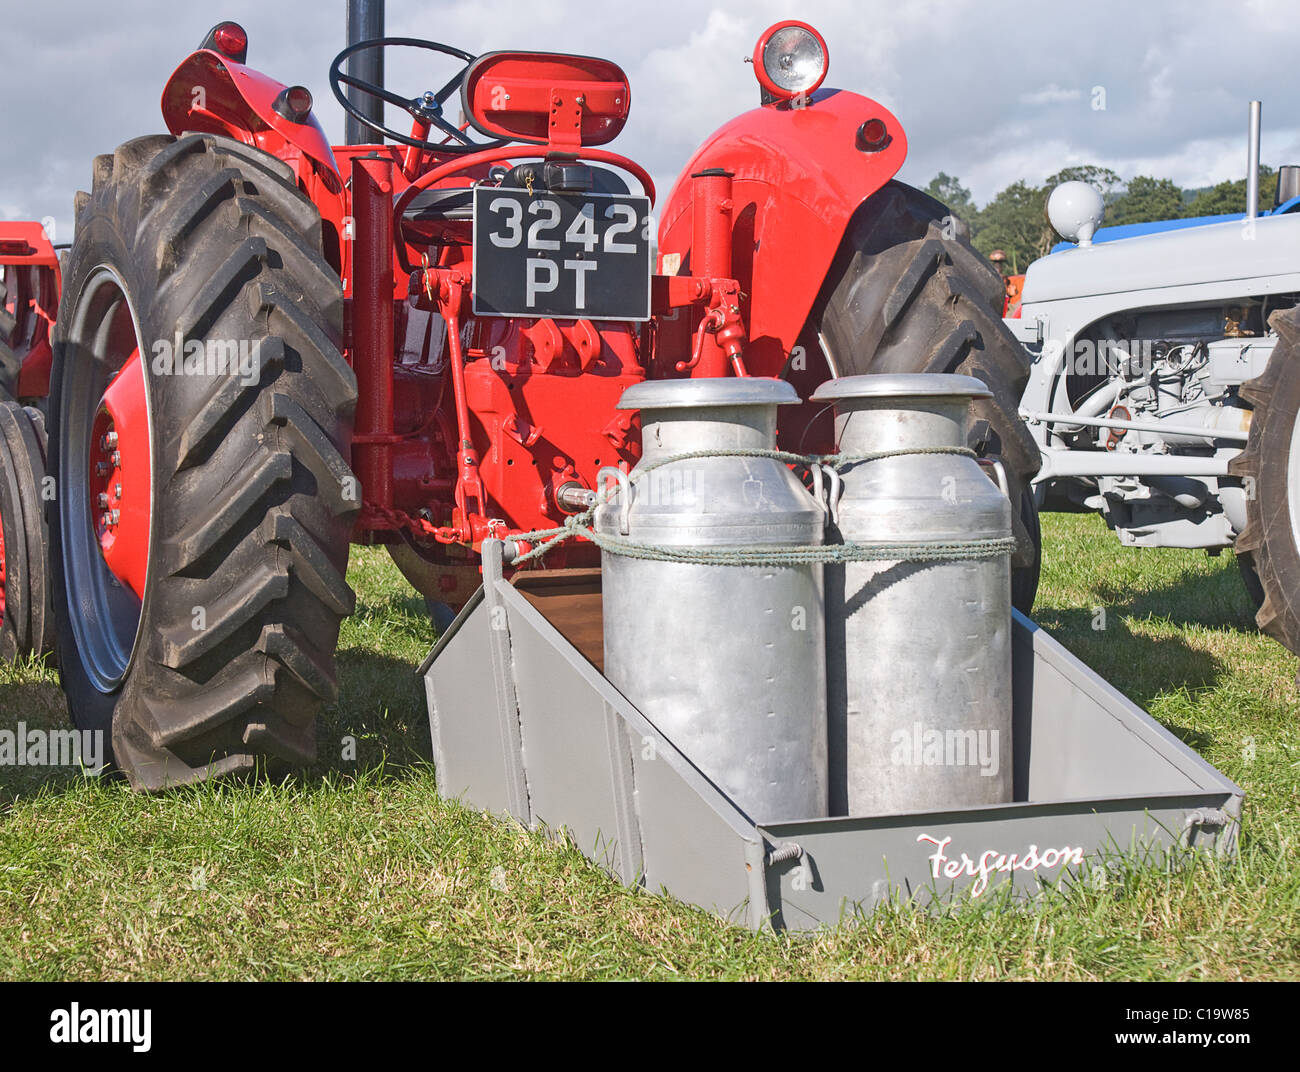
{"x": 990, "y": 92}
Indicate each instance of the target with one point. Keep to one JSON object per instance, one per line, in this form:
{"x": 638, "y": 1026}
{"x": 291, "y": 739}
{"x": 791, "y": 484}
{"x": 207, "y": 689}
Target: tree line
{"x": 1015, "y": 221}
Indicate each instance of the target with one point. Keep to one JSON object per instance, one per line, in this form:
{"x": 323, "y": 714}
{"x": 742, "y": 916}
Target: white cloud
{"x": 1052, "y": 94}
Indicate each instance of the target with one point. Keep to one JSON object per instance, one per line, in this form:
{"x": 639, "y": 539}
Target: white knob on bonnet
{"x": 1075, "y": 210}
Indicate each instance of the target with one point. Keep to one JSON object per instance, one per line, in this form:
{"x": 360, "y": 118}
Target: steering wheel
{"x": 426, "y": 108}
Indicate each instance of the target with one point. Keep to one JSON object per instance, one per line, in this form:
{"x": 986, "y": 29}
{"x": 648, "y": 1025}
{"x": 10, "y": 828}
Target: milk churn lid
{"x": 708, "y": 391}
{"x": 902, "y": 385}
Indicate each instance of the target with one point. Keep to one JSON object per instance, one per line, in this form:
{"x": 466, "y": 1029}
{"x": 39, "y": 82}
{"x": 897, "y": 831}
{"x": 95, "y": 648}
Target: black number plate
{"x": 567, "y": 256}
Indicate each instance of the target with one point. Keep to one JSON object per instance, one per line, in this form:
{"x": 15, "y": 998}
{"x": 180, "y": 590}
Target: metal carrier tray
{"x": 556, "y": 746}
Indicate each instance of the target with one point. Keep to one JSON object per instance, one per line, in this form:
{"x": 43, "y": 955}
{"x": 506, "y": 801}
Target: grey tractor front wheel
{"x": 1268, "y": 548}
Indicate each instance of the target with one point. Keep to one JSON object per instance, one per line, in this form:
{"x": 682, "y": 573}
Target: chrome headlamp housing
{"x": 790, "y": 60}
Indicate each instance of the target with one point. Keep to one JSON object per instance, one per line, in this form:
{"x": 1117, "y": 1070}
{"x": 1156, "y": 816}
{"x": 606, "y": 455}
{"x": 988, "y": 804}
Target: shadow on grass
{"x": 407, "y": 602}
{"x": 28, "y": 706}
{"x": 379, "y": 717}
{"x": 1141, "y": 665}
{"x": 1215, "y": 601}
{"x": 1183, "y": 587}
{"x": 378, "y": 722}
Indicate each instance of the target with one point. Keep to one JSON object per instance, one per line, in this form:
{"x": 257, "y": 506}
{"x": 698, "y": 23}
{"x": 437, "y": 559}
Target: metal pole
{"x": 1252, "y": 163}
{"x": 1061, "y": 463}
{"x": 711, "y": 250}
{"x": 1139, "y": 426}
{"x": 365, "y": 22}
{"x": 372, "y": 326}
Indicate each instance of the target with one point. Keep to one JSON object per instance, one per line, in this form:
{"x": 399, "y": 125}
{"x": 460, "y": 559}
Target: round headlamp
{"x": 790, "y": 60}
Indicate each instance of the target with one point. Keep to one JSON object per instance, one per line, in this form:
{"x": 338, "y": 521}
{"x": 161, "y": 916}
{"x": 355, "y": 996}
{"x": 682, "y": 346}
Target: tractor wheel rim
{"x": 105, "y": 450}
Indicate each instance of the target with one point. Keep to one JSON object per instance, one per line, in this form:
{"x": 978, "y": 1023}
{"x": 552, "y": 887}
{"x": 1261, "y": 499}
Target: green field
{"x": 356, "y": 870}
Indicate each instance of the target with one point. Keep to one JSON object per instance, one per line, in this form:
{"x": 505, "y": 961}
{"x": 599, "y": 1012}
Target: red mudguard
{"x": 800, "y": 173}
{"x": 213, "y": 94}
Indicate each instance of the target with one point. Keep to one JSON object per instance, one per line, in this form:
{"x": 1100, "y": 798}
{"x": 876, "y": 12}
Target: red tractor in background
{"x": 268, "y": 347}
{"x": 29, "y": 300}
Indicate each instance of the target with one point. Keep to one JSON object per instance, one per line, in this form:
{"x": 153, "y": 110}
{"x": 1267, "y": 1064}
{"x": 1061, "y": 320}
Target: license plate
{"x": 567, "y": 256}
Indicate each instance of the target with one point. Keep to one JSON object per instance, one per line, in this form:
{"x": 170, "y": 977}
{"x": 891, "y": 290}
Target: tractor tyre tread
{"x": 1266, "y": 548}
{"x": 254, "y": 499}
{"x": 908, "y": 293}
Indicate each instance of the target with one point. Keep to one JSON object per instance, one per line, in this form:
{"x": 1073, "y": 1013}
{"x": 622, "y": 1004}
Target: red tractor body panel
{"x": 799, "y": 173}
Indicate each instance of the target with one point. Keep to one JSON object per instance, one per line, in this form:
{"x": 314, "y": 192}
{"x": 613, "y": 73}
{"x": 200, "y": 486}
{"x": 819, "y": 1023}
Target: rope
{"x": 783, "y": 555}
{"x": 837, "y": 462}
{"x": 769, "y": 555}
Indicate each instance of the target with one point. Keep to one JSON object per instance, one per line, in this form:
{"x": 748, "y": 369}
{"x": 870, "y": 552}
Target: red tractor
{"x": 268, "y": 347}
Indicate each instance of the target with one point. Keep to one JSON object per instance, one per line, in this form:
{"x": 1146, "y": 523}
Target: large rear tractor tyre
{"x": 200, "y": 418}
{"x": 26, "y": 587}
{"x": 1268, "y": 548}
{"x": 908, "y": 293}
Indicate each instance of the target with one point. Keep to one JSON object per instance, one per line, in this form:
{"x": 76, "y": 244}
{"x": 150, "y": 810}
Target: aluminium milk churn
{"x": 919, "y": 652}
{"x": 728, "y": 661}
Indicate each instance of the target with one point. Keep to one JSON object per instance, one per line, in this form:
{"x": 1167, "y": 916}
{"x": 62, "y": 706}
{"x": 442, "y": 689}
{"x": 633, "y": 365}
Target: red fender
{"x": 213, "y": 94}
{"x": 800, "y": 173}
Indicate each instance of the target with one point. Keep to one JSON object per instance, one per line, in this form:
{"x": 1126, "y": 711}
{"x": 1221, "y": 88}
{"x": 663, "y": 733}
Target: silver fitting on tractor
{"x": 573, "y": 498}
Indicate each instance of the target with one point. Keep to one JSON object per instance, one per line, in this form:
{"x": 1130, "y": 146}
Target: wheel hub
{"x": 120, "y": 476}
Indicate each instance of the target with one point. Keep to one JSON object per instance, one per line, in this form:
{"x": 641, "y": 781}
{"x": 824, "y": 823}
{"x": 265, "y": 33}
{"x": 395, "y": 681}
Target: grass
{"x": 356, "y": 870}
